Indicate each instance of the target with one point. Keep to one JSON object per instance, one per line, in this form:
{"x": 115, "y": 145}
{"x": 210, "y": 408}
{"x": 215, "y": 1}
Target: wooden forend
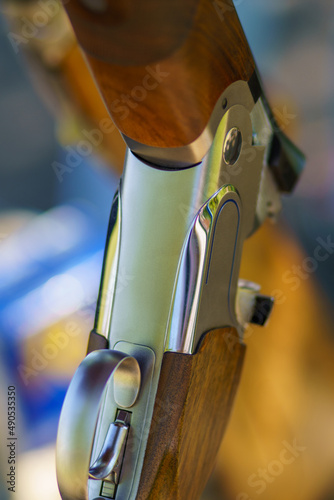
{"x": 161, "y": 65}
{"x": 193, "y": 403}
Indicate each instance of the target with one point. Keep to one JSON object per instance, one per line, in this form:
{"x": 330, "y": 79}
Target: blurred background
{"x": 57, "y": 180}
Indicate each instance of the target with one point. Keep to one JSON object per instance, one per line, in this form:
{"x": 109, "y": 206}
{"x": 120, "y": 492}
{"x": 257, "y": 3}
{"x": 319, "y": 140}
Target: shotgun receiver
{"x": 206, "y": 164}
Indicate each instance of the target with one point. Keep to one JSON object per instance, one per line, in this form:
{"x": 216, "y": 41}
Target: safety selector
{"x": 78, "y": 421}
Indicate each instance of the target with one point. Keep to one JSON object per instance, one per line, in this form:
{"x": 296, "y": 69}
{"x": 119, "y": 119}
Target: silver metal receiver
{"x": 170, "y": 274}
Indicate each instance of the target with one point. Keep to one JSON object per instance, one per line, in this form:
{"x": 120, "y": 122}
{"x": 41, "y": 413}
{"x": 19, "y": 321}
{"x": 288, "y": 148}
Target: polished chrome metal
{"x": 206, "y": 285}
{"x": 159, "y": 208}
{"x": 194, "y": 270}
{"x": 169, "y": 219}
{"x": 251, "y": 306}
{"x": 109, "y": 270}
{"x": 108, "y": 464}
{"x": 137, "y": 431}
{"x": 80, "y": 413}
{"x": 237, "y": 93}
{"x": 109, "y": 461}
{"x": 232, "y": 146}
{"x": 108, "y": 491}
{"x": 269, "y": 196}
{"x": 246, "y": 293}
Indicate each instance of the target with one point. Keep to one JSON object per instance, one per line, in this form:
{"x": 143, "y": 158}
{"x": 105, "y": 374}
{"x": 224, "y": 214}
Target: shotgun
{"x": 206, "y": 164}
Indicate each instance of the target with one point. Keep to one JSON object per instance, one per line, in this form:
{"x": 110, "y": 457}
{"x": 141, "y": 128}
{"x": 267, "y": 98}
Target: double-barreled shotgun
{"x": 206, "y": 163}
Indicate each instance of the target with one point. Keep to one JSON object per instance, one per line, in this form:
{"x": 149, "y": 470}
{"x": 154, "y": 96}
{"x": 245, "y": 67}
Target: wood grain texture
{"x": 193, "y": 403}
{"x": 90, "y": 109}
{"x": 161, "y": 65}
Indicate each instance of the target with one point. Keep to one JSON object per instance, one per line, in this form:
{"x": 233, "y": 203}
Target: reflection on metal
{"x": 80, "y": 413}
{"x": 110, "y": 458}
{"x": 165, "y": 212}
{"x": 136, "y": 434}
{"x": 232, "y": 146}
{"x": 171, "y": 270}
{"x": 269, "y": 196}
{"x": 246, "y": 293}
{"x": 185, "y": 156}
{"x": 251, "y": 306}
{"x": 109, "y": 463}
{"x": 206, "y": 284}
{"x": 109, "y": 270}
{"x": 195, "y": 270}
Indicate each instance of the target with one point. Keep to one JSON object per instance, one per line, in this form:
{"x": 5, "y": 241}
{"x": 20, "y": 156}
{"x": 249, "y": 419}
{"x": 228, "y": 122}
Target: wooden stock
{"x": 161, "y": 65}
{"x": 193, "y": 403}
